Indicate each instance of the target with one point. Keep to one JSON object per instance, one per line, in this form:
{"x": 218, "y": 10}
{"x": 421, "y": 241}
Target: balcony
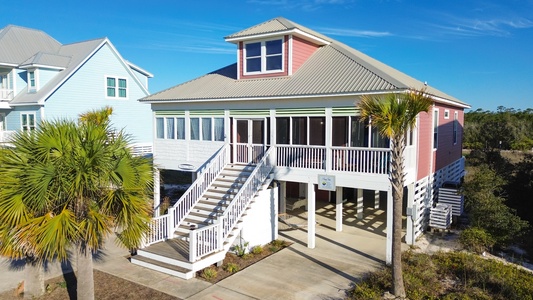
{"x": 5, "y": 136}
{"x": 6, "y": 95}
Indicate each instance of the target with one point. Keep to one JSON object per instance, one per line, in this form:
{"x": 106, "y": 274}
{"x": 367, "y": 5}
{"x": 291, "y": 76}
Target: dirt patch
{"x": 234, "y": 263}
{"x": 106, "y": 286}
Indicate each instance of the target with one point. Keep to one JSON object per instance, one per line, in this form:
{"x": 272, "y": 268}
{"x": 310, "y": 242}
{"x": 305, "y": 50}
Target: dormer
{"x": 275, "y": 48}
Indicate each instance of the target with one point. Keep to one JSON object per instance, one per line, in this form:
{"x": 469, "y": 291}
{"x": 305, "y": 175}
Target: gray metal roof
{"x": 17, "y": 44}
{"x": 48, "y": 59}
{"x": 333, "y": 70}
{"x": 76, "y": 53}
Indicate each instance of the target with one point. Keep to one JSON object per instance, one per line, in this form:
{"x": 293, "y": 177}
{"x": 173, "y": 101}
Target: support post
{"x": 283, "y": 200}
{"x": 338, "y": 209}
{"x": 411, "y": 220}
{"x": 388, "y": 252}
{"x": 359, "y": 204}
{"x": 192, "y": 245}
{"x": 157, "y": 192}
{"x": 311, "y": 218}
{"x": 376, "y": 199}
{"x": 171, "y": 222}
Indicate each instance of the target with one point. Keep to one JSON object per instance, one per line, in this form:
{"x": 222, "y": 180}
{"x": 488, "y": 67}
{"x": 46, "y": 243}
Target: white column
{"x": 388, "y": 253}
{"x": 283, "y": 195}
{"x": 359, "y": 203}
{"x": 411, "y": 220}
{"x": 157, "y": 194}
{"x": 311, "y": 218}
{"x": 338, "y": 209}
{"x": 376, "y": 199}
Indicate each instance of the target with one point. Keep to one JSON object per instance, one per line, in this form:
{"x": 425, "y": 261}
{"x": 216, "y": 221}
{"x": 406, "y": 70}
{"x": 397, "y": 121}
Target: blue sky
{"x": 480, "y": 52}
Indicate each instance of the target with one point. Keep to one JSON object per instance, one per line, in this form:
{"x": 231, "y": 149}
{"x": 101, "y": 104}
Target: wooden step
{"x": 162, "y": 267}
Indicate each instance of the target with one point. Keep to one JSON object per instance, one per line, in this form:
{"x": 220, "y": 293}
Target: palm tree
{"x": 65, "y": 187}
{"x": 394, "y": 115}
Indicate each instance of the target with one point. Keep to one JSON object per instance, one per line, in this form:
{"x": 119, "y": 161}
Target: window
{"x": 264, "y": 57}
{"x": 27, "y": 121}
{"x": 206, "y": 129}
{"x": 435, "y": 128}
{"x": 446, "y": 114}
{"x": 299, "y": 130}
{"x": 282, "y": 130}
{"x": 31, "y": 79}
{"x": 219, "y": 129}
{"x": 170, "y": 128}
{"x": 116, "y": 87}
{"x": 455, "y": 126}
{"x": 359, "y": 133}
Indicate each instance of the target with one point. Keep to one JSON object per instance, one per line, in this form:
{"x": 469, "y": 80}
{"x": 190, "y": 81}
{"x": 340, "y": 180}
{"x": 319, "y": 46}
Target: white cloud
{"x": 353, "y": 32}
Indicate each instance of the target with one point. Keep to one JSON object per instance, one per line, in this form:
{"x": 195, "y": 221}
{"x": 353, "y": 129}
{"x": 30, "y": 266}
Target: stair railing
{"x": 163, "y": 227}
{"x": 209, "y": 239}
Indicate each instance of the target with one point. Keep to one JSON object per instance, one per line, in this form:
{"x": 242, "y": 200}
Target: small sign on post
{"x": 326, "y": 182}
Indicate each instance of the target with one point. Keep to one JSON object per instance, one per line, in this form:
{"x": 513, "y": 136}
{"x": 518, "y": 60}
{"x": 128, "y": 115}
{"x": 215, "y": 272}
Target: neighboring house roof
{"x": 34, "y": 41}
{"x": 40, "y": 50}
{"x": 333, "y": 70}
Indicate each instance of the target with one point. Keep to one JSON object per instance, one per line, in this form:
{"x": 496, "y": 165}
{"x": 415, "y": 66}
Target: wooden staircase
{"x": 171, "y": 256}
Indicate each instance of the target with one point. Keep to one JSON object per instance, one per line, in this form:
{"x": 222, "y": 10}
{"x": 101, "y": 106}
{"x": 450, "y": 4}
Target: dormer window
{"x": 33, "y": 78}
{"x": 263, "y": 57}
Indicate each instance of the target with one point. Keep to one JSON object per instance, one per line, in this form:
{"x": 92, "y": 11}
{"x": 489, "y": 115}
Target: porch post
{"x": 338, "y": 209}
{"x": 376, "y": 199}
{"x": 157, "y": 193}
{"x": 311, "y": 215}
{"x": 360, "y": 204}
{"x": 411, "y": 220}
{"x": 388, "y": 253}
{"x": 283, "y": 200}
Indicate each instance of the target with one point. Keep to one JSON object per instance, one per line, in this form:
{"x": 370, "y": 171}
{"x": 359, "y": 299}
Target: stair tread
{"x": 161, "y": 264}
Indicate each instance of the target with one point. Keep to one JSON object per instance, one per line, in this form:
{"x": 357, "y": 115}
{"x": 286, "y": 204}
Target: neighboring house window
{"x": 160, "y": 128}
{"x": 116, "y": 87}
{"x": 32, "y": 81}
{"x": 27, "y": 121}
{"x": 435, "y": 128}
{"x": 203, "y": 129}
{"x": 446, "y": 114}
{"x": 455, "y": 127}
{"x": 264, "y": 57}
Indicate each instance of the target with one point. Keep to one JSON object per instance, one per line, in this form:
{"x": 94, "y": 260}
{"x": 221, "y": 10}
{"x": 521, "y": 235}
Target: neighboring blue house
{"x": 42, "y": 79}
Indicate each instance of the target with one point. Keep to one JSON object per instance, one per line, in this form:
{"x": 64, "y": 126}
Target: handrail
{"x": 209, "y": 239}
{"x": 186, "y": 202}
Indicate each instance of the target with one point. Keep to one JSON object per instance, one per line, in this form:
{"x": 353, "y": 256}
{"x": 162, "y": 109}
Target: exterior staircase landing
{"x": 172, "y": 256}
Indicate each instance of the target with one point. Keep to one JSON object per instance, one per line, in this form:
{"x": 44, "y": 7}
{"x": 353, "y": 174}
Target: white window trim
{"x": 35, "y": 78}
{"x": 28, "y": 113}
{"x": 263, "y": 57}
{"x": 116, "y": 87}
{"x": 455, "y": 133}
{"x": 435, "y": 126}
{"x": 446, "y": 114}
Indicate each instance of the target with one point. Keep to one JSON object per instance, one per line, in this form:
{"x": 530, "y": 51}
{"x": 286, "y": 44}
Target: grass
{"x": 450, "y": 275}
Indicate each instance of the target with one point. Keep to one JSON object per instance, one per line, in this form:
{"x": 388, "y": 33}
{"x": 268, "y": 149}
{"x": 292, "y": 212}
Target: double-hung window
{"x": 455, "y": 127}
{"x": 435, "y": 128}
{"x": 116, "y": 87}
{"x": 27, "y": 121}
{"x": 264, "y": 57}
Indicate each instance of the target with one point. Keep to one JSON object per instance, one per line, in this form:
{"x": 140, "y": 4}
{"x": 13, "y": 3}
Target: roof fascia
{"x": 9, "y": 65}
{"x": 26, "y": 104}
{"x": 126, "y": 64}
{"x": 140, "y": 70}
{"x": 31, "y": 66}
{"x": 294, "y": 31}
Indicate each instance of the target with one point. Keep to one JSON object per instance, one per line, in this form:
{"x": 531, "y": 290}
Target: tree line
{"x": 505, "y": 129}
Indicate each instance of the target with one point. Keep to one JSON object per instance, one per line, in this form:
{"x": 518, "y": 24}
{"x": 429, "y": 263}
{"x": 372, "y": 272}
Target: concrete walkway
{"x": 296, "y": 272}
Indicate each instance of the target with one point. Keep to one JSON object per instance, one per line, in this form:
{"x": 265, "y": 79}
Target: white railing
{"x": 5, "y": 136}
{"x": 141, "y": 149}
{"x": 159, "y": 230}
{"x": 246, "y": 153}
{"x": 209, "y": 239}
{"x": 308, "y": 157}
{"x": 6, "y": 94}
{"x": 361, "y": 160}
{"x": 183, "y": 206}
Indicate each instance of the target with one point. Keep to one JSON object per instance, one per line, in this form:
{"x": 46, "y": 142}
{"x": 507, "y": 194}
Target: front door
{"x": 249, "y": 140}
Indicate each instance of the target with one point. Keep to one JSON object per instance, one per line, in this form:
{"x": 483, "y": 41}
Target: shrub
{"x": 241, "y": 249}
{"x": 257, "y": 250}
{"x": 231, "y": 268}
{"x": 209, "y": 273}
{"x": 476, "y": 240}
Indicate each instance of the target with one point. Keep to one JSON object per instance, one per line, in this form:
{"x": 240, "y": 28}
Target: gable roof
{"x": 332, "y": 70}
{"x": 12, "y": 37}
{"x": 25, "y": 48}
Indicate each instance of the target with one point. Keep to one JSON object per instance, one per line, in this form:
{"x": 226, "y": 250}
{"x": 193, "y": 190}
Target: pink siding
{"x": 301, "y": 51}
{"x": 425, "y": 135}
{"x": 285, "y": 63}
{"x": 447, "y": 152}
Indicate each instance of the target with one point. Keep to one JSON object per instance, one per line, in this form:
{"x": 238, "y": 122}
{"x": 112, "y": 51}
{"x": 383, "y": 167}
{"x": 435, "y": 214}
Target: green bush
{"x": 476, "y": 240}
{"x": 257, "y": 250}
{"x": 209, "y": 273}
{"x": 231, "y": 268}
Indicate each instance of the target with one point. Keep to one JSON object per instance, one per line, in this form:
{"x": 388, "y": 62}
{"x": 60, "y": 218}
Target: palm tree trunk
{"x": 84, "y": 276}
{"x": 33, "y": 278}
{"x": 397, "y": 182}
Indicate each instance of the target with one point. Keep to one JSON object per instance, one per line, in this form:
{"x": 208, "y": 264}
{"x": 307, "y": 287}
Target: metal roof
{"x": 333, "y": 70}
{"x": 17, "y": 44}
{"x": 47, "y": 59}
